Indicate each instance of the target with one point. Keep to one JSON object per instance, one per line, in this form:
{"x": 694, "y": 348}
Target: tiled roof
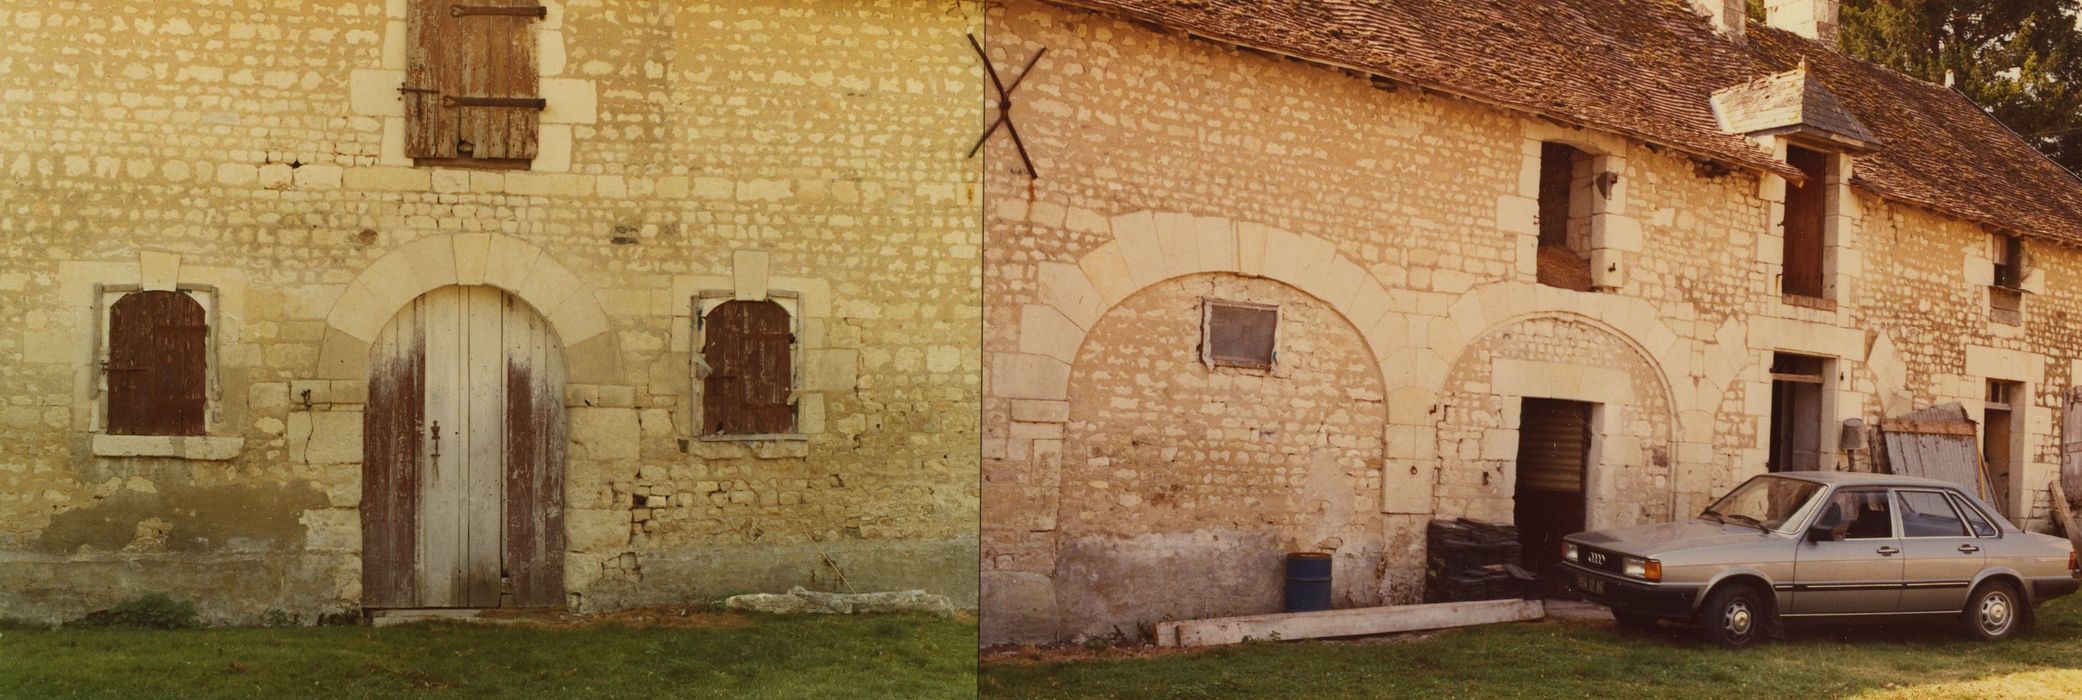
{"x": 1792, "y": 100}
{"x": 1937, "y": 149}
{"x": 1648, "y": 69}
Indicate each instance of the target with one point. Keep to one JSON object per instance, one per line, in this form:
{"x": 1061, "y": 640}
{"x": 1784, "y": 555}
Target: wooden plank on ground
{"x": 1354, "y": 622}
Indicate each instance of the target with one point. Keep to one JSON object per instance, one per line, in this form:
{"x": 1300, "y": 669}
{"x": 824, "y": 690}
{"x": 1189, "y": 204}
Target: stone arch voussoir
{"x": 1151, "y": 247}
{"x": 508, "y": 263}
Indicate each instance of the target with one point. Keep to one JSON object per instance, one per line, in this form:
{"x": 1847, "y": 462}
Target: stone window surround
{"x": 2028, "y": 371}
{"x": 1839, "y": 347}
{"x": 1207, "y": 358}
{"x": 1600, "y": 387}
{"x": 570, "y": 102}
{"x": 159, "y": 271}
{"x": 1613, "y": 233}
{"x": 707, "y": 300}
{"x": 1842, "y": 264}
{"x": 816, "y": 368}
{"x": 1979, "y": 272}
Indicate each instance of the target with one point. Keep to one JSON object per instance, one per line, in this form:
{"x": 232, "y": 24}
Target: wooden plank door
{"x": 464, "y": 433}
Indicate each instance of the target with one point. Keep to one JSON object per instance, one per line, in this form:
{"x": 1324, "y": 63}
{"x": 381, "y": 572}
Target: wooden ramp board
{"x": 1355, "y": 622}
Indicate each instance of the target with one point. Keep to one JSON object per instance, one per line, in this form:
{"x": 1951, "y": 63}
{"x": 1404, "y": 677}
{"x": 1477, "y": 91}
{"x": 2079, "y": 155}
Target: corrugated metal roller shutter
{"x": 1553, "y": 439}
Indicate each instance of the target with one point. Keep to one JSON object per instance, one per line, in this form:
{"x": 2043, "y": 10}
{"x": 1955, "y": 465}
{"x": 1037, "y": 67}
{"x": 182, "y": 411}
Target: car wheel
{"x": 1734, "y": 616}
{"x": 1995, "y": 611}
{"x": 1629, "y": 619}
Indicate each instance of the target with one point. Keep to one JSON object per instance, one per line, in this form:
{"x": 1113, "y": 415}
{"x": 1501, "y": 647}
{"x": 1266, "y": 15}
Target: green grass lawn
{"x": 735, "y": 656}
{"x": 1580, "y": 659}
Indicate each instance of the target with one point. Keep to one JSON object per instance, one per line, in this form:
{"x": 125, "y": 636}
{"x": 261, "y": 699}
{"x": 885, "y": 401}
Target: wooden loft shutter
{"x": 2009, "y": 262}
{"x": 471, "y": 94}
{"x": 1806, "y": 209}
{"x": 157, "y": 364}
{"x": 748, "y": 350}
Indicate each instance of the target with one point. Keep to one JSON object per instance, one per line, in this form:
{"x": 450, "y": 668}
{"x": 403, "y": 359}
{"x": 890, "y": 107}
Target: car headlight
{"x": 1568, "y": 551}
{"x": 1644, "y": 569}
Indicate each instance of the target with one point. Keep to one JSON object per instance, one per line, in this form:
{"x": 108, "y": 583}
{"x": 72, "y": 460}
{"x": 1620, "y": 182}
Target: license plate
{"x": 1590, "y": 584}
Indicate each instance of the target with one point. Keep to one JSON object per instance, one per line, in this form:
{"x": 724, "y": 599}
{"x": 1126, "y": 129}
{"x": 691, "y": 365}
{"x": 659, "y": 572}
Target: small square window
{"x": 1239, "y": 334}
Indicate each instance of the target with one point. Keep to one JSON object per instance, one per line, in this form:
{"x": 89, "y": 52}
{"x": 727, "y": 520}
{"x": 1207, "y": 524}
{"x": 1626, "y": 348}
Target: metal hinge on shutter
{"x": 515, "y": 102}
{"x": 535, "y": 11}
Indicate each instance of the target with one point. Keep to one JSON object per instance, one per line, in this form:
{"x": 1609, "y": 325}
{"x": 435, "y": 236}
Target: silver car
{"x": 1824, "y": 545}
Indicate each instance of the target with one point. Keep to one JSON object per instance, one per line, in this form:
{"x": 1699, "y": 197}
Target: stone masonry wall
{"x": 809, "y": 153}
{"x": 1411, "y": 216}
{"x": 1212, "y": 473}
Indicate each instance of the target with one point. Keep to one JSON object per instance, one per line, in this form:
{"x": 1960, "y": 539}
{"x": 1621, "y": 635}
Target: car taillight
{"x": 2074, "y": 564}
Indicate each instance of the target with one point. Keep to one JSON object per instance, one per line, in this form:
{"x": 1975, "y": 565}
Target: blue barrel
{"x": 1308, "y": 581}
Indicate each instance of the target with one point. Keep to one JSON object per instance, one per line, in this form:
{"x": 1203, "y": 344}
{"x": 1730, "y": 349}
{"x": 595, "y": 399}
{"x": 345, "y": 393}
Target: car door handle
{"x": 1968, "y": 549}
{"x": 1888, "y": 551}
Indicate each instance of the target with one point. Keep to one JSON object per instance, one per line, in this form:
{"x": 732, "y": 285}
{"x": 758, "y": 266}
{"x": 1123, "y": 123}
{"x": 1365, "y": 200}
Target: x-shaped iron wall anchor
{"x": 1004, "y": 117}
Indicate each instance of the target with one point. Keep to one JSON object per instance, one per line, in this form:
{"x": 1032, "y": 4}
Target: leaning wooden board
{"x": 1355, "y": 622}
{"x": 2066, "y": 514}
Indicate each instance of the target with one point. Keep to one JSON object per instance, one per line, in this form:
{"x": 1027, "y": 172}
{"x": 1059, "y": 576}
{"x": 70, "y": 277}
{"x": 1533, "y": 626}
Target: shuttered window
{"x": 747, "y": 346}
{"x": 471, "y": 93}
{"x": 157, "y": 367}
{"x": 2009, "y": 262}
{"x": 1238, "y": 334}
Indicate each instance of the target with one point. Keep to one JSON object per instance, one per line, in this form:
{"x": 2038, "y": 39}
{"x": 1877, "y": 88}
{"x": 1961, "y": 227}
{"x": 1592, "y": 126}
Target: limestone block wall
{"x": 1410, "y": 217}
{"x": 1183, "y": 472}
{"x": 811, "y": 154}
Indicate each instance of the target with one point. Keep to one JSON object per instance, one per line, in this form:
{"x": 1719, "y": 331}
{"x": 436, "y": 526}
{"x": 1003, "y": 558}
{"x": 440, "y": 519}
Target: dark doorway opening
{"x": 1796, "y": 412}
{"x": 1548, "y": 503}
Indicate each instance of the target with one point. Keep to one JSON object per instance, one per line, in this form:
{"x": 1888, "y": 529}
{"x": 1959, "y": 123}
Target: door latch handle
{"x": 435, "y": 432}
{"x": 1888, "y": 551}
{"x": 1969, "y": 549}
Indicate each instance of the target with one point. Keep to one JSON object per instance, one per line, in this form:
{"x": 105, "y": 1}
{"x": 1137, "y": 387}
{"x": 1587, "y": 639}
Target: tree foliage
{"x": 2019, "y": 59}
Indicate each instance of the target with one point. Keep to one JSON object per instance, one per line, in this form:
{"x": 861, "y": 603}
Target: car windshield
{"x": 1766, "y": 502}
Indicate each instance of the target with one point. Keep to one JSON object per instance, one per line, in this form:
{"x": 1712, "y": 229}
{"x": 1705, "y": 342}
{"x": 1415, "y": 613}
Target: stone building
{"x": 334, "y": 304}
{"x": 1306, "y": 276}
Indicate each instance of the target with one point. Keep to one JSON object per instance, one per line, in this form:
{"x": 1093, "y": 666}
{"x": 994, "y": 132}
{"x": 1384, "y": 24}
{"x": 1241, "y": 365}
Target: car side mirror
{"x": 1821, "y": 533}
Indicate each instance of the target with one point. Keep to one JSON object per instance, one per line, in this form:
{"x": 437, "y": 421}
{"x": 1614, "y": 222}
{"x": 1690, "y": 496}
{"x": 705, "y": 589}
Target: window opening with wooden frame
{"x": 157, "y": 364}
{"x": 1239, "y": 334}
{"x": 748, "y": 354}
{"x": 1806, "y": 214}
{"x": 2006, "y": 295}
{"x": 472, "y": 93}
{"x": 1568, "y": 198}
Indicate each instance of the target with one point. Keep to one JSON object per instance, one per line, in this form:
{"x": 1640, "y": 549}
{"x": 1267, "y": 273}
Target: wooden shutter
{"x": 157, "y": 364}
{"x": 1805, "y": 211}
{"x": 1240, "y": 335}
{"x": 471, "y": 94}
{"x": 1553, "y": 444}
{"x": 2009, "y": 262}
{"x": 748, "y": 347}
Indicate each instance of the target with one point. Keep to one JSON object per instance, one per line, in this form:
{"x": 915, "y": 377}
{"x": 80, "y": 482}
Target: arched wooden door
{"x": 463, "y": 456}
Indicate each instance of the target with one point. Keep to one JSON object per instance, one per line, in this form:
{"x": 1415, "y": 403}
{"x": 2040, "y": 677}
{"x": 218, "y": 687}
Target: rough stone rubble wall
{"x": 811, "y": 152}
{"x": 1411, "y": 217}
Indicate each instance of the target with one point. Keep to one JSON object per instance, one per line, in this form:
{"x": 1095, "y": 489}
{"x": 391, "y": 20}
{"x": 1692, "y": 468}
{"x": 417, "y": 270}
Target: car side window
{"x": 1929, "y": 514}
{"x": 1974, "y": 518}
{"x": 1858, "y": 515}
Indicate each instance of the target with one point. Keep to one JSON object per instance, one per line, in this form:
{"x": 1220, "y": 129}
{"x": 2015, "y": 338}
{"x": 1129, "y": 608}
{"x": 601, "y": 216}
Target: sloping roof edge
{"x": 1757, "y": 161}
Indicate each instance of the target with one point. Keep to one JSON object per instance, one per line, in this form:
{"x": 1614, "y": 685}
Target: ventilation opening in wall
{"x": 1566, "y": 204}
{"x": 1998, "y": 432}
{"x": 1554, "y": 442}
{"x": 1796, "y": 412}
